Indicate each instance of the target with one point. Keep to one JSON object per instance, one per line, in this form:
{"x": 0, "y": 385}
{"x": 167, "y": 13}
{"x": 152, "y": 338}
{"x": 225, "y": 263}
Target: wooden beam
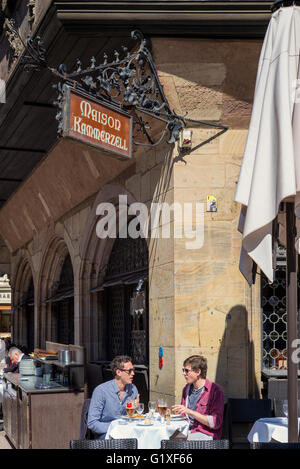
{"x": 25, "y": 150}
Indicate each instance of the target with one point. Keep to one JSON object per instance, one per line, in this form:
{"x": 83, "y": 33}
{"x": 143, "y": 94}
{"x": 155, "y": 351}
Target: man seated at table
{"x": 202, "y": 401}
{"x": 109, "y": 399}
{"x": 15, "y": 355}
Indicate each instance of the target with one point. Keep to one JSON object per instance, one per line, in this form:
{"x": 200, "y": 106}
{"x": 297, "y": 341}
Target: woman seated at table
{"x": 202, "y": 401}
{"x": 109, "y": 399}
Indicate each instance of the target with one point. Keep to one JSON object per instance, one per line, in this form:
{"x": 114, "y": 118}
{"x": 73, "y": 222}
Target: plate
{"x": 143, "y": 424}
{"x": 177, "y": 417}
{"x": 125, "y": 417}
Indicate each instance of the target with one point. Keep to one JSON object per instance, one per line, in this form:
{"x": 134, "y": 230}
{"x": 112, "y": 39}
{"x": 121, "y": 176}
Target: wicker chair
{"x": 242, "y": 413}
{"x": 273, "y": 445}
{"x": 124, "y": 443}
{"x": 194, "y": 444}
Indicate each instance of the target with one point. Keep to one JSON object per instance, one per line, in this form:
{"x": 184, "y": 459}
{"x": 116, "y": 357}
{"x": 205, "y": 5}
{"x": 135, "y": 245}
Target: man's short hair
{"x": 197, "y": 362}
{"x": 14, "y": 350}
{"x": 118, "y": 362}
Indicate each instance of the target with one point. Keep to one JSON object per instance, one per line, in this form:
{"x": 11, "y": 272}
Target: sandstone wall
{"x": 198, "y": 300}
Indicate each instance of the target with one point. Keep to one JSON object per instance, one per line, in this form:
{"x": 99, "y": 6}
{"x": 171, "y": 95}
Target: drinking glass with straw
{"x": 130, "y": 408}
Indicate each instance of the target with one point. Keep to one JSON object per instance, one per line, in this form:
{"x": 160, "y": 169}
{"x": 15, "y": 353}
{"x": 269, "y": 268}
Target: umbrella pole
{"x": 291, "y": 282}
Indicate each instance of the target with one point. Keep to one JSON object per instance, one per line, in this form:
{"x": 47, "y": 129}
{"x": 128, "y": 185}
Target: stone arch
{"x": 94, "y": 254}
{"x": 54, "y": 255}
{"x": 22, "y": 279}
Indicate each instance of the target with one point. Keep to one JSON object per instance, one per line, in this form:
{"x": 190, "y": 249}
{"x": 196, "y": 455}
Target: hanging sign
{"x": 101, "y": 126}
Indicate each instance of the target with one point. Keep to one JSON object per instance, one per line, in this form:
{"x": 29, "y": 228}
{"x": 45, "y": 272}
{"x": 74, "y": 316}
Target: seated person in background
{"x": 202, "y": 401}
{"x": 109, "y": 399}
{"x": 15, "y": 355}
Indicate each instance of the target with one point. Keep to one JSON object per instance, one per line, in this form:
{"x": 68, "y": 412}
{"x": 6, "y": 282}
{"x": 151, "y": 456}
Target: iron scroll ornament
{"x": 129, "y": 82}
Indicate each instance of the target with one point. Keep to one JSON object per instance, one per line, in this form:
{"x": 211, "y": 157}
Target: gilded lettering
{"x": 111, "y": 122}
{"x": 117, "y": 124}
{"x": 95, "y": 115}
{"x": 104, "y": 119}
{"x": 118, "y": 142}
{"x": 90, "y": 131}
{"x": 97, "y": 134}
{"x": 85, "y": 108}
{"x": 76, "y": 126}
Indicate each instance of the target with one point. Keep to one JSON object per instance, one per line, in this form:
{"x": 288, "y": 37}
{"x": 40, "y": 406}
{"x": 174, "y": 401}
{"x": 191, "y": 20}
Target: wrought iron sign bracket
{"x": 129, "y": 82}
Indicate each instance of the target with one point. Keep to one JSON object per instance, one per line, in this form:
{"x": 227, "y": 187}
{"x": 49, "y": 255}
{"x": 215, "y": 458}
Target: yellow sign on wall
{"x": 211, "y": 203}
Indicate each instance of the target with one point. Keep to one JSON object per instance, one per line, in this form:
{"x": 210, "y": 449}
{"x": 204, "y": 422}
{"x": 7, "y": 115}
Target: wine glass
{"x": 285, "y": 407}
{"x": 140, "y": 409}
{"x": 151, "y": 407}
{"x": 130, "y": 408}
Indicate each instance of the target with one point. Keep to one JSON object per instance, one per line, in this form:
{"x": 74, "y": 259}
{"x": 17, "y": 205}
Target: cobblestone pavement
{"x": 4, "y": 443}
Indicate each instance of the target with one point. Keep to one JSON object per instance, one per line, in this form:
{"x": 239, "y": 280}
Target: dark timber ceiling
{"x": 28, "y": 128}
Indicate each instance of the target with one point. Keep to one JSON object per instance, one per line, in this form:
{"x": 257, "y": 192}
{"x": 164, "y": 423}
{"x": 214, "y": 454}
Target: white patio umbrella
{"x": 270, "y": 171}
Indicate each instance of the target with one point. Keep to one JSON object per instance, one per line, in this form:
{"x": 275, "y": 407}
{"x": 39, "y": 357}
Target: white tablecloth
{"x": 149, "y": 437}
{"x": 266, "y": 429}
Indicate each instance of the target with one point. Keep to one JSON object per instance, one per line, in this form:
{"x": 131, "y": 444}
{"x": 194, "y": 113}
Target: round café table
{"x": 267, "y": 429}
{"x": 148, "y": 436}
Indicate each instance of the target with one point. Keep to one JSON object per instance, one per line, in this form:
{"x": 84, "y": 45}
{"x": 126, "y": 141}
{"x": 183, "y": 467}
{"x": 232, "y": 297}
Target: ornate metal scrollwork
{"x": 129, "y": 81}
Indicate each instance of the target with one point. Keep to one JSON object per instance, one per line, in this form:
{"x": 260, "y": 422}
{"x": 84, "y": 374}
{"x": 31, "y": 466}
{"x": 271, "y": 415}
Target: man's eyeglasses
{"x": 186, "y": 370}
{"x": 131, "y": 370}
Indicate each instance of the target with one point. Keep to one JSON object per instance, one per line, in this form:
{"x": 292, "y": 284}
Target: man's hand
{"x": 137, "y": 400}
{"x": 180, "y": 409}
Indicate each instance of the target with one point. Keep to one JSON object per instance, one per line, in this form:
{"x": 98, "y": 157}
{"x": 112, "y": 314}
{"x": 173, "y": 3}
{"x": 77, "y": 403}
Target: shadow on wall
{"x": 235, "y": 370}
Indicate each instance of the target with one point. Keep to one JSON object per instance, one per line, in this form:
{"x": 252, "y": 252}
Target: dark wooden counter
{"x": 40, "y": 418}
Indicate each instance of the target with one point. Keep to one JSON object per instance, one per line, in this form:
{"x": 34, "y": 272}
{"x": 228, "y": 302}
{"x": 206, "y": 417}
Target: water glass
{"x": 151, "y": 408}
{"x": 285, "y": 407}
{"x": 140, "y": 409}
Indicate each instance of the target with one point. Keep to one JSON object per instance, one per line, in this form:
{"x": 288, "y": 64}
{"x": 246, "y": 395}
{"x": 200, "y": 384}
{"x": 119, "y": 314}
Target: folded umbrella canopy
{"x": 270, "y": 171}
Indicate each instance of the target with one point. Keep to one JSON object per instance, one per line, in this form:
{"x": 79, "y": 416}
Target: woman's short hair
{"x": 118, "y": 362}
{"x": 197, "y": 362}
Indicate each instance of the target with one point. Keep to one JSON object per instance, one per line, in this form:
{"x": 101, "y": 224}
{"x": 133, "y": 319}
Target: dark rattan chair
{"x": 194, "y": 444}
{"x": 242, "y": 413}
{"x": 124, "y": 443}
{"x": 273, "y": 445}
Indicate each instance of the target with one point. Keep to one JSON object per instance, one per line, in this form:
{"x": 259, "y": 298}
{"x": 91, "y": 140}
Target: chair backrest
{"x": 124, "y": 443}
{"x": 278, "y": 388}
{"x": 278, "y": 407}
{"x": 249, "y": 410}
{"x": 242, "y": 413}
{"x": 194, "y": 444}
{"x": 84, "y": 432}
{"x": 273, "y": 445}
{"x": 94, "y": 377}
